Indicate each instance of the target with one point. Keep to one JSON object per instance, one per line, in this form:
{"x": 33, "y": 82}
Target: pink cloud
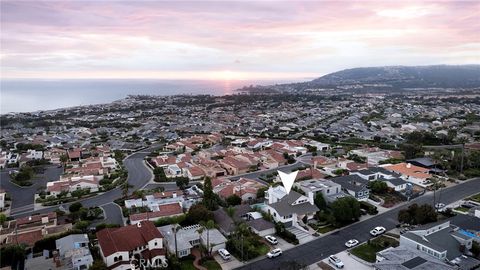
{"x": 260, "y": 36}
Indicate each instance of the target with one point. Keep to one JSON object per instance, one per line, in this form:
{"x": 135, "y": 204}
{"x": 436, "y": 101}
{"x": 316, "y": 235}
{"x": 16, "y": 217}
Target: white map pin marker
{"x": 287, "y": 179}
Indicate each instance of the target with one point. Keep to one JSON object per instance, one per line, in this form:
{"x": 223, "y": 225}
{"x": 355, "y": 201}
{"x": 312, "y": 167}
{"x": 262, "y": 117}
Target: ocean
{"x": 33, "y": 95}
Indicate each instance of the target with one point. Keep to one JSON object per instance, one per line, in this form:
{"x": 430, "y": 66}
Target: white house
{"x": 119, "y": 246}
{"x": 290, "y": 208}
{"x": 69, "y": 184}
{"x": 74, "y": 249}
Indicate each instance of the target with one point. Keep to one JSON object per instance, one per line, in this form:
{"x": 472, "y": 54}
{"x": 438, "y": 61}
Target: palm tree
{"x": 206, "y": 227}
{"x": 125, "y": 186}
{"x": 175, "y": 229}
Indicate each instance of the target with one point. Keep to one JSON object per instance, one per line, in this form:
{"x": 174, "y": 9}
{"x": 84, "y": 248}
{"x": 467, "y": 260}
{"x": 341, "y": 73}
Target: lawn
{"x": 325, "y": 229}
{"x": 475, "y": 198}
{"x": 368, "y": 251}
{"x": 187, "y": 264}
{"x": 263, "y": 249}
{"x": 461, "y": 209}
{"x": 211, "y": 265}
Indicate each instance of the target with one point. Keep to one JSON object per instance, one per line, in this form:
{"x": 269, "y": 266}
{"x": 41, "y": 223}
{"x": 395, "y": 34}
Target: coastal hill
{"x": 391, "y": 78}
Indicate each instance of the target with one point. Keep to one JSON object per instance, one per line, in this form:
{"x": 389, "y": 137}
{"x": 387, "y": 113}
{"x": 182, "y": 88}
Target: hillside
{"x": 389, "y": 78}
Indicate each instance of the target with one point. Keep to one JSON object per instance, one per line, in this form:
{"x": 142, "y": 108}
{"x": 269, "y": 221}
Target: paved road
{"x": 23, "y": 197}
{"x": 321, "y": 248}
{"x": 113, "y": 214}
{"x": 138, "y": 176}
{"x": 256, "y": 175}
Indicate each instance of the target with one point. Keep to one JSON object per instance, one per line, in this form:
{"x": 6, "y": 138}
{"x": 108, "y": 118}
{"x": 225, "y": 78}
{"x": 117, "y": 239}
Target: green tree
{"x": 261, "y": 192}
{"x": 12, "y": 255}
{"x": 98, "y": 265}
{"x": 82, "y": 225}
{"x": 345, "y": 210}
{"x": 209, "y": 198}
{"x": 64, "y": 159}
{"x": 234, "y": 200}
{"x": 182, "y": 182}
{"x": 74, "y": 207}
{"x": 198, "y": 213}
{"x": 320, "y": 201}
{"x": 378, "y": 187}
{"x": 3, "y": 219}
{"x": 206, "y": 226}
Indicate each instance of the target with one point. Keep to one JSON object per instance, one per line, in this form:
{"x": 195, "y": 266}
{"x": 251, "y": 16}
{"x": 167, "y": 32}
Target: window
{"x": 328, "y": 191}
{"x": 155, "y": 243}
{"x": 120, "y": 258}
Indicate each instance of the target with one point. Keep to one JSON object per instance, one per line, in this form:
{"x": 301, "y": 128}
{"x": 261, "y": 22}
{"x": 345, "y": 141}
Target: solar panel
{"x": 410, "y": 264}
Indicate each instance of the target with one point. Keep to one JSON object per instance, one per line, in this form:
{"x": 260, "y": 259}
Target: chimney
{"x": 174, "y": 195}
{"x": 139, "y": 224}
{"x": 310, "y": 197}
{"x": 409, "y": 165}
{"x": 315, "y": 164}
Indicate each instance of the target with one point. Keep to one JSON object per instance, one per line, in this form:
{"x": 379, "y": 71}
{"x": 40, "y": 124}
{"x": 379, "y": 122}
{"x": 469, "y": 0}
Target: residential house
{"x": 411, "y": 173}
{"x": 392, "y": 179}
{"x": 234, "y": 166}
{"x": 441, "y": 240}
{"x": 28, "y": 230}
{"x": 245, "y": 188}
{"x": 183, "y": 239}
{"x": 329, "y": 189}
{"x": 243, "y": 213}
{"x": 354, "y": 185}
{"x": 73, "y": 183}
{"x": 119, "y": 246}
{"x": 291, "y": 208}
{"x": 3, "y": 194}
{"x": 405, "y": 258}
{"x": 74, "y": 250}
{"x": 164, "y": 210}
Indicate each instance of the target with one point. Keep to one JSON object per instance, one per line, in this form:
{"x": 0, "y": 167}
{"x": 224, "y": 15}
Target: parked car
{"x": 335, "y": 261}
{"x": 274, "y": 253}
{"x": 351, "y": 243}
{"x": 377, "y": 231}
{"x": 439, "y": 205}
{"x": 272, "y": 240}
{"x": 224, "y": 254}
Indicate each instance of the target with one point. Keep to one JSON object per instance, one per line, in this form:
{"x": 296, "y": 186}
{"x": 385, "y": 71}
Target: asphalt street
{"x": 23, "y": 197}
{"x": 322, "y": 247}
{"x": 138, "y": 176}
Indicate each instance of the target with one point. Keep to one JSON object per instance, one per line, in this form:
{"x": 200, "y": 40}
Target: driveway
{"x": 23, "y": 197}
{"x": 349, "y": 262}
{"x": 333, "y": 243}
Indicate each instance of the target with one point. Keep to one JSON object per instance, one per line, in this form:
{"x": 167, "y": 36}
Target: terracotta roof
{"x": 35, "y": 218}
{"x": 28, "y": 238}
{"x": 127, "y": 238}
{"x": 165, "y": 210}
{"x": 409, "y": 169}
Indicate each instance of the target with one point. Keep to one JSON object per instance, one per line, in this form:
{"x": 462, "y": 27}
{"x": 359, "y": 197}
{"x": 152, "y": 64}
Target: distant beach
{"x": 33, "y": 95}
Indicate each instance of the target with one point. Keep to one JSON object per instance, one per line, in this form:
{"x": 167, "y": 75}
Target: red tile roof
{"x": 165, "y": 210}
{"x": 127, "y": 238}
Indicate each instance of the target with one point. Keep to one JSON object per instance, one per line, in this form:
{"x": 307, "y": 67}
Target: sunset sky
{"x": 231, "y": 40}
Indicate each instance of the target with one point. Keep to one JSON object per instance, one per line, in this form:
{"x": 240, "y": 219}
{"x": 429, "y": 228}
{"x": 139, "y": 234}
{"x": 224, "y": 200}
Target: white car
{"x": 272, "y": 240}
{"x": 377, "y": 231}
{"x": 351, "y": 243}
{"x": 224, "y": 254}
{"x": 274, "y": 253}
{"x": 335, "y": 261}
{"x": 439, "y": 205}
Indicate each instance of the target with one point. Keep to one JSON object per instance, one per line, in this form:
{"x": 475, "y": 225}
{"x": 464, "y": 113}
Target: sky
{"x": 230, "y": 40}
